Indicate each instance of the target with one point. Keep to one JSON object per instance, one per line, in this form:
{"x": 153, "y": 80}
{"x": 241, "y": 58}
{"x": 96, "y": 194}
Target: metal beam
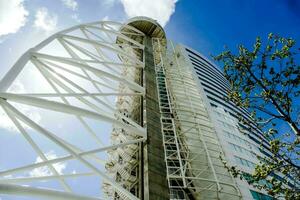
{"x": 69, "y": 109}
{"x": 50, "y": 136}
{"x": 41, "y": 193}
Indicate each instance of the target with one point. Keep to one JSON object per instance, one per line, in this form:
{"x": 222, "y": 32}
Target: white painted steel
{"x": 91, "y": 54}
{"x": 97, "y": 75}
{"x": 41, "y": 193}
{"x": 196, "y": 169}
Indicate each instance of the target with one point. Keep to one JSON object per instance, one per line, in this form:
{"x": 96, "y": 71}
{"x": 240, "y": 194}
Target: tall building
{"x": 170, "y": 124}
{"x": 190, "y": 126}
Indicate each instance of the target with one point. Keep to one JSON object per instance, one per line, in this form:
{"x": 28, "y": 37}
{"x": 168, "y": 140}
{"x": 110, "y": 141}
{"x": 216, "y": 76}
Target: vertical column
{"x": 155, "y": 176}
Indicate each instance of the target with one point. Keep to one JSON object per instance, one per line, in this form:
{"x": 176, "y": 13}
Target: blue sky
{"x": 203, "y": 25}
{"x": 209, "y": 25}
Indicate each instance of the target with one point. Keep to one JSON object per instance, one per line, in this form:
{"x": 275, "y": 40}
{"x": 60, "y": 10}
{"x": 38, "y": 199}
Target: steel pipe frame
{"x": 60, "y": 143}
{"x": 171, "y": 126}
{"x": 84, "y": 154}
{"x": 34, "y": 100}
{"x": 41, "y": 193}
{"x": 60, "y": 107}
{"x": 18, "y": 66}
{"x": 181, "y": 79}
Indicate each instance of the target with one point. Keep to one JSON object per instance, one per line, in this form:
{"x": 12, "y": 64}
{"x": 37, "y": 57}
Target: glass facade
{"x": 260, "y": 196}
{"x": 240, "y": 145}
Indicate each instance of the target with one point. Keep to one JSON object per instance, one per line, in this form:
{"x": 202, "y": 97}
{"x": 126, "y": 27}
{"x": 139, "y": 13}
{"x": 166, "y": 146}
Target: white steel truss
{"x": 91, "y": 78}
{"x": 192, "y": 149}
{"x": 85, "y": 71}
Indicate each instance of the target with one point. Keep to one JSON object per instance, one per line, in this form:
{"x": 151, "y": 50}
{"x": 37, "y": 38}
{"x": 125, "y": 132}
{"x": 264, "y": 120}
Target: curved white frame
{"x": 46, "y": 66}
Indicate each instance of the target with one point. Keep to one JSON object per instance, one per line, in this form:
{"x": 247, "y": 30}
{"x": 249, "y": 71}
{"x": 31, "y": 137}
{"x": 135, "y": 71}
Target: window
{"x": 228, "y": 134}
{"x": 204, "y": 60}
{"x": 236, "y": 147}
{"x": 244, "y": 162}
{"x": 213, "y": 105}
{"x": 248, "y": 177}
{"x": 260, "y": 196}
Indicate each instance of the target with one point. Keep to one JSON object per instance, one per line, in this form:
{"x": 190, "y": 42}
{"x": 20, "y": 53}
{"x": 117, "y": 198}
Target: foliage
{"x": 265, "y": 80}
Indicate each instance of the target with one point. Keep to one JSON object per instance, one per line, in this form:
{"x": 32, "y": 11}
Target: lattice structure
{"x": 123, "y": 164}
{"x": 86, "y": 71}
{"x": 131, "y": 131}
{"x": 199, "y": 173}
{"x": 174, "y": 156}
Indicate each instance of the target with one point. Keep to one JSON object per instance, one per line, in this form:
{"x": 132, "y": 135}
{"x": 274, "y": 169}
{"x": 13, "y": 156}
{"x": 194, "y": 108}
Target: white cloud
{"x": 76, "y": 18}
{"x": 44, "y": 171}
{"x": 12, "y": 16}
{"x": 108, "y": 3}
{"x": 160, "y": 10}
{"x": 105, "y": 18}
{"x": 45, "y": 21}
{"x": 17, "y": 87}
{"x": 5, "y": 121}
{"x": 72, "y": 4}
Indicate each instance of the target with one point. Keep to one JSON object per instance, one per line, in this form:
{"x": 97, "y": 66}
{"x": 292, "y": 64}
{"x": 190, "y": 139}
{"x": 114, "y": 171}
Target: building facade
{"x": 197, "y": 124}
{"x": 162, "y": 105}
